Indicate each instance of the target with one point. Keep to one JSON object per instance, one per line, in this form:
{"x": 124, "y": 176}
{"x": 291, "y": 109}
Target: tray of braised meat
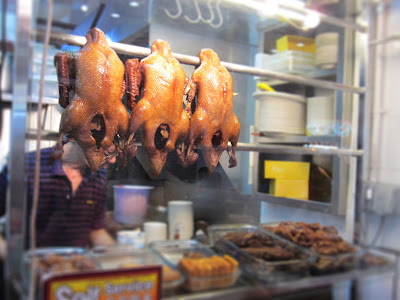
{"x": 203, "y": 268}
{"x": 262, "y": 256}
{"x": 54, "y": 261}
{"x": 333, "y": 253}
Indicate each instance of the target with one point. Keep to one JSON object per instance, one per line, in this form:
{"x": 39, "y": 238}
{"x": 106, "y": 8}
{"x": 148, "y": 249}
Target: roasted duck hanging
{"x": 95, "y": 116}
{"x": 213, "y": 122}
{"x": 158, "y": 117}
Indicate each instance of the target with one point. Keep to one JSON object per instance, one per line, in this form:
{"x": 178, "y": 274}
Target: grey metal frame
{"x": 16, "y": 204}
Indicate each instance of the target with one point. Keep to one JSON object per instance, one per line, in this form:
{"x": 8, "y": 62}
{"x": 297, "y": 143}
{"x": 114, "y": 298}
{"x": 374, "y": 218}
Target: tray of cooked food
{"x": 333, "y": 253}
{"x": 262, "y": 256}
{"x": 204, "y": 269}
{"x": 377, "y": 258}
{"x": 121, "y": 257}
{"x": 56, "y": 260}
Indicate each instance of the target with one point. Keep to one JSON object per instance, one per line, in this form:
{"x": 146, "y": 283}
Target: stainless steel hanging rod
{"x": 194, "y": 60}
{"x": 298, "y": 150}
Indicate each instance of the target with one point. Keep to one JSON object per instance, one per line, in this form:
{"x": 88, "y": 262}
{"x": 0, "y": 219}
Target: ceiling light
{"x": 312, "y": 20}
{"x": 115, "y": 15}
{"x": 84, "y": 7}
{"x": 133, "y": 4}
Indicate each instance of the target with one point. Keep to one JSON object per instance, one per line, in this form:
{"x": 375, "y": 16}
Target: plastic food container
{"x": 268, "y": 259}
{"x": 281, "y": 113}
{"x": 173, "y": 251}
{"x": 58, "y": 260}
{"x": 117, "y": 257}
{"x": 130, "y": 203}
{"x": 325, "y": 264}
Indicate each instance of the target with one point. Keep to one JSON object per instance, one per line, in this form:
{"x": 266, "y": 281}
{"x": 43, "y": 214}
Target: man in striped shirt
{"x": 72, "y": 200}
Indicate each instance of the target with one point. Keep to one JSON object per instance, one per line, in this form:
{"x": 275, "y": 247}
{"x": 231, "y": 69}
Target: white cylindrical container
{"x": 131, "y": 238}
{"x": 327, "y": 48}
{"x": 320, "y": 115}
{"x": 281, "y": 112}
{"x": 155, "y": 231}
{"x": 180, "y": 220}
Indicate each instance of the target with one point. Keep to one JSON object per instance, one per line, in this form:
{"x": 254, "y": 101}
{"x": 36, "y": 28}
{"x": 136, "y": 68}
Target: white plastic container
{"x": 281, "y": 113}
{"x": 130, "y": 203}
{"x": 180, "y": 220}
{"x": 155, "y": 231}
{"x": 132, "y": 238}
{"x": 320, "y": 115}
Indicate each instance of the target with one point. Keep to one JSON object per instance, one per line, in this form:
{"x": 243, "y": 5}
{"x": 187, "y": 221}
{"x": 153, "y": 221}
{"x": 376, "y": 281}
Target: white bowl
{"x": 281, "y": 112}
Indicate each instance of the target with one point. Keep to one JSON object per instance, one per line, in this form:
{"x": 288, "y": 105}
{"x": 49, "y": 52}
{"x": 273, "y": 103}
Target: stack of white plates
{"x": 281, "y": 112}
{"x": 326, "y": 55}
{"x": 320, "y": 117}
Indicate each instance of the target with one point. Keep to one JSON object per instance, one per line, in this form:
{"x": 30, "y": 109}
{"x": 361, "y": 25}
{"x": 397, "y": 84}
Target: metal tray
{"x": 117, "y": 257}
{"x": 326, "y": 264}
{"x": 173, "y": 251}
{"x": 56, "y": 260}
{"x": 378, "y": 259}
{"x": 264, "y": 268}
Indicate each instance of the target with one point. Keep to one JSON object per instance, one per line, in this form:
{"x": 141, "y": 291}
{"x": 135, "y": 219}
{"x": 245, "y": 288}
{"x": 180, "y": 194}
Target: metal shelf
{"x": 296, "y": 203}
{"x": 263, "y": 291}
{"x": 306, "y": 150}
{"x": 311, "y": 150}
{"x": 194, "y": 60}
{"x": 272, "y": 138}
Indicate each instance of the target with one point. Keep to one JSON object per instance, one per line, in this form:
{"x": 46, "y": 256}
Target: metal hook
{"x": 221, "y": 20}
{"x": 209, "y": 21}
{"x": 199, "y": 17}
{"x": 178, "y": 5}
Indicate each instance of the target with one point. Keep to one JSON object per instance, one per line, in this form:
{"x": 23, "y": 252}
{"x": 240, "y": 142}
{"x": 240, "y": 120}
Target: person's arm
{"x": 100, "y": 237}
{"x": 3, "y": 248}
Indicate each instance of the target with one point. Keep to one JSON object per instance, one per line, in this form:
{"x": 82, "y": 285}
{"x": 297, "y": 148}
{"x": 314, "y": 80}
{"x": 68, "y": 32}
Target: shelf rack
{"x": 193, "y": 60}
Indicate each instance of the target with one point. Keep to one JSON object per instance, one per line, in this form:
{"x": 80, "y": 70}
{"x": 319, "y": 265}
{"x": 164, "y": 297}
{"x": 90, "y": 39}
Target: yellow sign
{"x": 127, "y": 284}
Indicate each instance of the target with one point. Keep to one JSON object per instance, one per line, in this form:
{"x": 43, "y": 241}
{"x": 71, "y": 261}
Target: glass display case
{"x": 304, "y": 94}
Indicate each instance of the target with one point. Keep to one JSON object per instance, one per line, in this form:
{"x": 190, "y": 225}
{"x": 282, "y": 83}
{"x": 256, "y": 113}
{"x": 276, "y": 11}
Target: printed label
{"x": 127, "y": 284}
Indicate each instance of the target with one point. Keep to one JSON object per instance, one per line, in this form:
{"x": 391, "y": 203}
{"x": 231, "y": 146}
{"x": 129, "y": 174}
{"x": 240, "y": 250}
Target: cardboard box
{"x": 289, "y": 188}
{"x": 276, "y": 169}
{"x": 295, "y": 42}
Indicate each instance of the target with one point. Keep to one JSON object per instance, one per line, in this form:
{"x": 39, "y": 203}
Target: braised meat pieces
{"x": 321, "y": 239}
{"x": 95, "y": 115}
{"x": 261, "y": 246}
{"x": 158, "y": 116}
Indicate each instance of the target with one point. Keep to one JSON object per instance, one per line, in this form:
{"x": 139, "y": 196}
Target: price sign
{"x": 126, "y": 284}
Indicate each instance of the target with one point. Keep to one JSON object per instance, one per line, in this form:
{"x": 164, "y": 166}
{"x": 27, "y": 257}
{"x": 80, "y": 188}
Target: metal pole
{"x": 16, "y": 200}
{"x": 194, "y": 60}
{"x": 311, "y": 150}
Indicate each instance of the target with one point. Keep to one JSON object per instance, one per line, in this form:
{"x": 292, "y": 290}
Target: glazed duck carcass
{"x": 158, "y": 116}
{"x": 213, "y": 122}
{"x": 95, "y": 115}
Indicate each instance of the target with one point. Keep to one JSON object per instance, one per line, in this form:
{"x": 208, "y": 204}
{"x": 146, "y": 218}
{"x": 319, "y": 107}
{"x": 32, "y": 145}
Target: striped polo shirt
{"x": 3, "y": 190}
{"x": 64, "y": 219}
